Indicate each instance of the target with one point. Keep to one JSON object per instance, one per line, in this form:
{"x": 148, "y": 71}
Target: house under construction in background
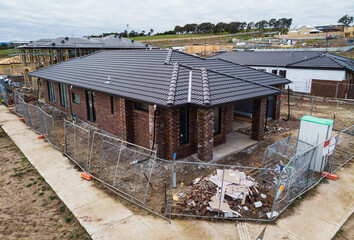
{"x": 45, "y": 52}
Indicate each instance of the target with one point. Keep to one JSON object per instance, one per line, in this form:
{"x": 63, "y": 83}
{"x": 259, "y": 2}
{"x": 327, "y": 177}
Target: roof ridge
{"x": 242, "y": 79}
{"x": 336, "y": 60}
{"x": 173, "y": 84}
{"x": 205, "y": 86}
{"x": 304, "y": 60}
{"x": 249, "y": 68}
{"x": 168, "y": 56}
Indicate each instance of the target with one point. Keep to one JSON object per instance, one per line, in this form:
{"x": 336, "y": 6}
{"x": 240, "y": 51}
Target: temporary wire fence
{"x": 37, "y": 119}
{"x": 76, "y": 144}
{"x": 339, "y": 110}
{"x": 3, "y": 94}
{"x": 175, "y": 188}
{"x": 304, "y": 165}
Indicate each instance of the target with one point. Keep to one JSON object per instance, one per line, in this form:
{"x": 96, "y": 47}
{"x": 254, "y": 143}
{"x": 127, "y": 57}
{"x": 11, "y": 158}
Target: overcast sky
{"x": 35, "y": 19}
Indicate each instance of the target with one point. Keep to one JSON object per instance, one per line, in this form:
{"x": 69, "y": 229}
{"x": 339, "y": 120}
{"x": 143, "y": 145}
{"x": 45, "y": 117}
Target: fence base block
{"x": 86, "y": 176}
{"x": 42, "y": 136}
{"x": 329, "y": 175}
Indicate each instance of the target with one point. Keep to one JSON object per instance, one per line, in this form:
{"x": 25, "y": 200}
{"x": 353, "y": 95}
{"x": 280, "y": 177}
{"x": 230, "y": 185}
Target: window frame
{"x": 185, "y": 130}
{"x": 64, "y": 95}
{"x": 112, "y": 104}
{"x": 51, "y": 91}
{"x": 91, "y": 112}
{"x": 282, "y": 73}
{"x": 74, "y": 99}
{"x": 141, "y": 106}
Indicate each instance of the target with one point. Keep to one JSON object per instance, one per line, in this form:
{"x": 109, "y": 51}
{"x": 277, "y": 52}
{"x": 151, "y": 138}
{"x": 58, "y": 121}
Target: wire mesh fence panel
{"x": 36, "y": 124}
{"x": 344, "y": 148}
{"x": 221, "y": 191}
{"x": 17, "y": 105}
{"x": 122, "y": 165}
{"x": 48, "y": 129}
{"x": 25, "y": 112}
{"x": 77, "y": 140}
{"x": 339, "y": 110}
{"x": 3, "y": 94}
{"x": 344, "y": 115}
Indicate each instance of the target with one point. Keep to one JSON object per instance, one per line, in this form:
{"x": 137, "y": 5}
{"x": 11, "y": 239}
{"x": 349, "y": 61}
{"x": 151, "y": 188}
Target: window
{"x": 217, "y": 122}
{"x": 282, "y": 73}
{"x": 112, "y": 105}
{"x": 76, "y": 98}
{"x": 51, "y": 91}
{"x": 142, "y": 106}
{"x": 183, "y": 126}
{"x": 275, "y": 72}
{"x": 90, "y": 101}
{"x": 64, "y": 97}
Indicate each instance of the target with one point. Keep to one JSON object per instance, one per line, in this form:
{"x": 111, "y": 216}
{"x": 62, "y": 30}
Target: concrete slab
{"x": 99, "y": 215}
{"x": 129, "y": 228}
{"x": 235, "y": 143}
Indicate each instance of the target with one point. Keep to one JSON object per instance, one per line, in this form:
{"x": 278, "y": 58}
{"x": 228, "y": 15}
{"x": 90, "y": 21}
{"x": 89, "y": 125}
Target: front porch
{"x": 236, "y": 142}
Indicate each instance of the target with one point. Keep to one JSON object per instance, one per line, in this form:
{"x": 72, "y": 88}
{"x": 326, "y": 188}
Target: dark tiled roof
{"x": 230, "y": 68}
{"x": 301, "y": 59}
{"x": 154, "y": 76}
{"x": 276, "y": 58}
{"x": 321, "y": 61}
{"x": 109, "y": 42}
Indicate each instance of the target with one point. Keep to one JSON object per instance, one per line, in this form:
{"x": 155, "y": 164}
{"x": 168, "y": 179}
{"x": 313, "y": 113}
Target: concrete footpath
{"x": 105, "y": 217}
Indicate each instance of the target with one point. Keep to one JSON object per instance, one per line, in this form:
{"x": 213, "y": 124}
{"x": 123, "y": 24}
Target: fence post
{"x": 336, "y": 91}
{"x": 221, "y": 190}
{"x": 311, "y": 105}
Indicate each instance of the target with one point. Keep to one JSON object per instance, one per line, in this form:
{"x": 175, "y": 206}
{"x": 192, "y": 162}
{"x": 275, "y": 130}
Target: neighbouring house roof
{"x": 299, "y": 59}
{"x": 161, "y": 77}
{"x": 108, "y": 42}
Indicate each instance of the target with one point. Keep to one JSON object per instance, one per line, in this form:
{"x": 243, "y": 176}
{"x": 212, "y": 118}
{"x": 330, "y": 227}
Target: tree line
{"x": 232, "y": 27}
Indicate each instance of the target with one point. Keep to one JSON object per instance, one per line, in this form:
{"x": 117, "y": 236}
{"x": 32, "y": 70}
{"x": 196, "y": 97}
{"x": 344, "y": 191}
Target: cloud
{"x": 24, "y": 20}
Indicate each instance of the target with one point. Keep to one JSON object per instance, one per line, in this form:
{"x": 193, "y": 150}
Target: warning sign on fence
{"x": 325, "y": 148}
{"x": 332, "y": 144}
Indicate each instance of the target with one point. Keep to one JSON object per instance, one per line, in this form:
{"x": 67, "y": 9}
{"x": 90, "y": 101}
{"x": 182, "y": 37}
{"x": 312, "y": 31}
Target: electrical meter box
{"x": 315, "y": 131}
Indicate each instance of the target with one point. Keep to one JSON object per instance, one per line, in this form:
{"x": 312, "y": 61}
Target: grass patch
{"x": 52, "y": 197}
{"x": 68, "y": 219}
{"x": 4, "y": 52}
{"x": 41, "y": 194}
{"x": 29, "y": 185}
{"x": 62, "y": 209}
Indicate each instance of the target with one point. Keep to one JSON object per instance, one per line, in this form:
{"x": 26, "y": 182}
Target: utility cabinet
{"x": 315, "y": 131}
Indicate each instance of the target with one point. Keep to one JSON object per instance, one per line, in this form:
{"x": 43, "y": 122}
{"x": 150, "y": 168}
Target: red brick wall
{"x": 205, "y": 134}
{"x": 105, "y": 119}
{"x": 258, "y": 119}
{"x": 141, "y": 128}
{"x": 136, "y": 126}
{"x": 79, "y": 109}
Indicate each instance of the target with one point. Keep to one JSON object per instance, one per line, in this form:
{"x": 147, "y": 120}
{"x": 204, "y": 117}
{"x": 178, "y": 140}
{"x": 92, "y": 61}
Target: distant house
{"x": 310, "y": 72}
{"x": 188, "y": 100}
{"x": 45, "y": 52}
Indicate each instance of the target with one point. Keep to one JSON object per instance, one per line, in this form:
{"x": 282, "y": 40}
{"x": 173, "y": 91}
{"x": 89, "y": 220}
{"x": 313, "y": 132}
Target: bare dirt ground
{"x": 29, "y": 208}
{"x": 346, "y": 232}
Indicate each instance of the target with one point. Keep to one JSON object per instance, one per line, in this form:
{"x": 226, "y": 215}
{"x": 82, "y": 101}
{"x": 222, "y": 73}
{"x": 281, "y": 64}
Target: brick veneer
{"x": 205, "y": 134}
{"x": 258, "y": 119}
{"x": 137, "y": 126}
{"x": 276, "y": 107}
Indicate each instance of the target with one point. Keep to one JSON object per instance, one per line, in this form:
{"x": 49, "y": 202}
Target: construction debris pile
{"x": 229, "y": 193}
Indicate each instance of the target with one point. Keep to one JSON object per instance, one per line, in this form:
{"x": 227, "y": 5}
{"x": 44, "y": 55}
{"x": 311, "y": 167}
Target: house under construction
{"x": 45, "y": 52}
